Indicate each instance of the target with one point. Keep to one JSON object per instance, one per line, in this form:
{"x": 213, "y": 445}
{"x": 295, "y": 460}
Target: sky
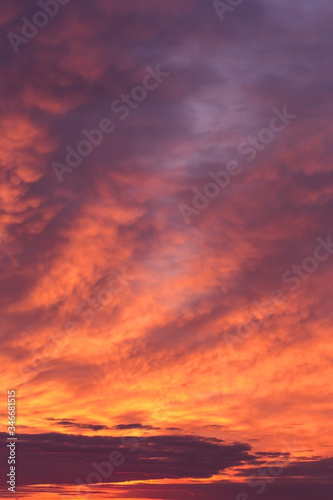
{"x": 166, "y": 248}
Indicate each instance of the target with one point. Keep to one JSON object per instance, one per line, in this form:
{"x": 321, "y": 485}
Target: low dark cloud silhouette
{"x": 73, "y": 423}
{"x": 121, "y": 427}
{"x": 55, "y": 458}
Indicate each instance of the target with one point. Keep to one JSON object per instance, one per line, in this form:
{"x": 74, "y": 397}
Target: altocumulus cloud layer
{"x": 122, "y": 319}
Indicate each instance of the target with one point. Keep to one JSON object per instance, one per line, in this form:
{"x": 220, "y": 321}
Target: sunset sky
{"x": 166, "y": 248}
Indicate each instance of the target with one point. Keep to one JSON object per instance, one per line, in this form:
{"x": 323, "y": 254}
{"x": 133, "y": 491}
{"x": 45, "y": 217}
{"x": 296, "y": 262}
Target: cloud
{"x": 54, "y": 458}
{"x": 134, "y": 426}
{"x": 73, "y": 423}
{"x": 154, "y": 356}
